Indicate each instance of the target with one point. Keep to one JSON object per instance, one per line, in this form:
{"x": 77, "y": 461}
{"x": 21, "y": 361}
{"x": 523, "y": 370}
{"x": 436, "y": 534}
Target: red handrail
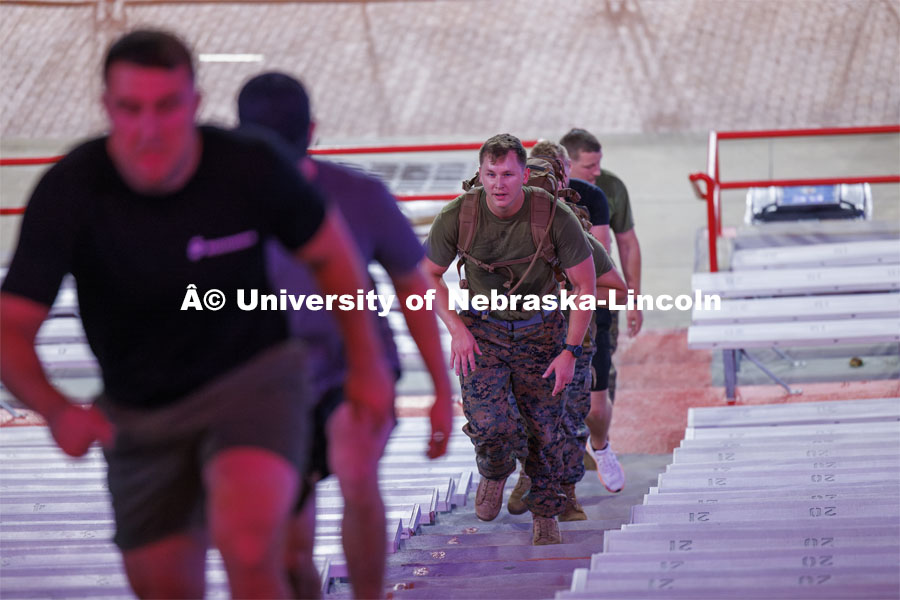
{"x": 25, "y": 162}
{"x": 410, "y": 148}
{"x": 714, "y": 183}
{"x": 323, "y": 151}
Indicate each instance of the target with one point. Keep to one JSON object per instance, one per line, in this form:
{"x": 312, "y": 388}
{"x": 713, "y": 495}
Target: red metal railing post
{"x": 713, "y": 201}
{"x": 709, "y": 196}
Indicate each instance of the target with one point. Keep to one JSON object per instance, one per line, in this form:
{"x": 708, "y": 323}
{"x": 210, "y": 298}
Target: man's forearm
{"x": 630, "y": 255}
{"x": 20, "y": 368}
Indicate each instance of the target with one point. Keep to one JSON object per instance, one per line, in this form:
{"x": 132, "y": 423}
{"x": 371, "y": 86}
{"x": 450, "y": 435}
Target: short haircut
{"x": 577, "y": 141}
{"x": 551, "y": 149}
{"x": 500, "y": 145}
{"x": 149, "y": 48}
{"x": 277, "y": 102}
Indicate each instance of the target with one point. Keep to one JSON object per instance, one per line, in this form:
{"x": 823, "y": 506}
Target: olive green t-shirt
{"x": 602, "y": 265}
{"x": 621, "y": 219}
{"x": 497, "y": 240}
{"x": 602, "y": 262}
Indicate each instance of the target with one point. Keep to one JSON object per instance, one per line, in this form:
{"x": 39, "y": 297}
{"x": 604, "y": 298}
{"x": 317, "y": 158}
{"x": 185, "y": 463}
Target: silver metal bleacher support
{"x": 855, "y": 301}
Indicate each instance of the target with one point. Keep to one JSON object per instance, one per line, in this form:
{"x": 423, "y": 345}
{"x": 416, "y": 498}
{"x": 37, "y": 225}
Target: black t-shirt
{"x": 593, "y": 199}
{"x": 133, "y": 257}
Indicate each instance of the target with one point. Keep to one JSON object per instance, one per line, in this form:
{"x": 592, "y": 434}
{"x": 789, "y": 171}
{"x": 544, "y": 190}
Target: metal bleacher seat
{"x": 776, "y": 501}
{"x": 869, "y": 252}
{"x": 799, "y": 281}
{"x": 796, "y": 296}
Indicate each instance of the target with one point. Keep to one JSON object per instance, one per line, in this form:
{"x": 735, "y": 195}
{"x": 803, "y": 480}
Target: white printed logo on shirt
{"x": 199, "y": 247}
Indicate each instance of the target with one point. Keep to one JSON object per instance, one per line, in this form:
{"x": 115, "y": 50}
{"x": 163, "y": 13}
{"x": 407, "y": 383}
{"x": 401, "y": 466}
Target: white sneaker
{"x": 609, "y": 470}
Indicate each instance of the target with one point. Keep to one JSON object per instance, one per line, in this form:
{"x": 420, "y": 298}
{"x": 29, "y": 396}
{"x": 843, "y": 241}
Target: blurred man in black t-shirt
{"x": 203, "y": 416}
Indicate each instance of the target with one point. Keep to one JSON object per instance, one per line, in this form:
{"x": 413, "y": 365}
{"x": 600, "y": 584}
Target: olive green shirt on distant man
{"x": 621, "y": 219}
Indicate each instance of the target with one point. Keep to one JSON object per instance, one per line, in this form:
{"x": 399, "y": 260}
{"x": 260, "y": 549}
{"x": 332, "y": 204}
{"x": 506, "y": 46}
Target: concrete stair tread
{"x": 432, "y": 541}
{"x": 475, "y": 592}
{"x": 495, "y": 553}
{"x": 474, "y": 526}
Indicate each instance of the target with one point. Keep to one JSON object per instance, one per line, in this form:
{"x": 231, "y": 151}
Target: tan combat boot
{"x": 489, "y": 498}
{"x": 546, "y": 531}
{"x": 573, "y": 510}
{"x": 514, "y": 505}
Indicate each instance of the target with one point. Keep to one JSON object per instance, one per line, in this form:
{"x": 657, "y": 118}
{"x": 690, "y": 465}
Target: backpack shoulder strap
{"x": 543, "y": 209}
{"x": 468, "y": 220}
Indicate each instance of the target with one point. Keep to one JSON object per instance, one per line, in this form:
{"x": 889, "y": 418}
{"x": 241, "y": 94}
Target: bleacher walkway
{"x": 773, "y": 501}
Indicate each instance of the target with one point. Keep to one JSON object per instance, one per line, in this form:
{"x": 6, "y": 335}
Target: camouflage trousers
{"x": 613, "y": 343}
{"x": 575, "y": 432}
{"x": 513, "y": 362}
{"x": 578, "y": 404}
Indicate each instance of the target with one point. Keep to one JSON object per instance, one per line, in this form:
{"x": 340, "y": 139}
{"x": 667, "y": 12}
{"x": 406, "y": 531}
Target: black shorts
{"x": 601, "y": 360}
{"x": 156, "y": 464}
{"x": 317, "y": 469}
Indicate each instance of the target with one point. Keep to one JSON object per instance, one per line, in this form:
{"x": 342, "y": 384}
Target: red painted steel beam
{"x": 26, "y": 162}
{"x": 736, "y": 185}
{"x": 397, "y": 149}
{"x": 737, "y": 135}
{"x": 326, "y": 150}
{"x": 433, "y": 197}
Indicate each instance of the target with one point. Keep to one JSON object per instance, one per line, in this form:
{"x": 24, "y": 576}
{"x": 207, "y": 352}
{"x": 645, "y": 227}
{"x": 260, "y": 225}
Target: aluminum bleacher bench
{"x": 796, "y": 282}
{"x": 736, "y": 336}
{"x": 884, "y": 305}
{"x": 868, "y": 252}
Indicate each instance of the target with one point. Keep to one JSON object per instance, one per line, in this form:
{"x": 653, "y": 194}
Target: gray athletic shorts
{"x": 156, "y": 465}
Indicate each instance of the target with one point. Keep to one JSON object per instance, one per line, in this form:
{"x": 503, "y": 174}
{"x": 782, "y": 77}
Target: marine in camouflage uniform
{"x": 510, "y": 351}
